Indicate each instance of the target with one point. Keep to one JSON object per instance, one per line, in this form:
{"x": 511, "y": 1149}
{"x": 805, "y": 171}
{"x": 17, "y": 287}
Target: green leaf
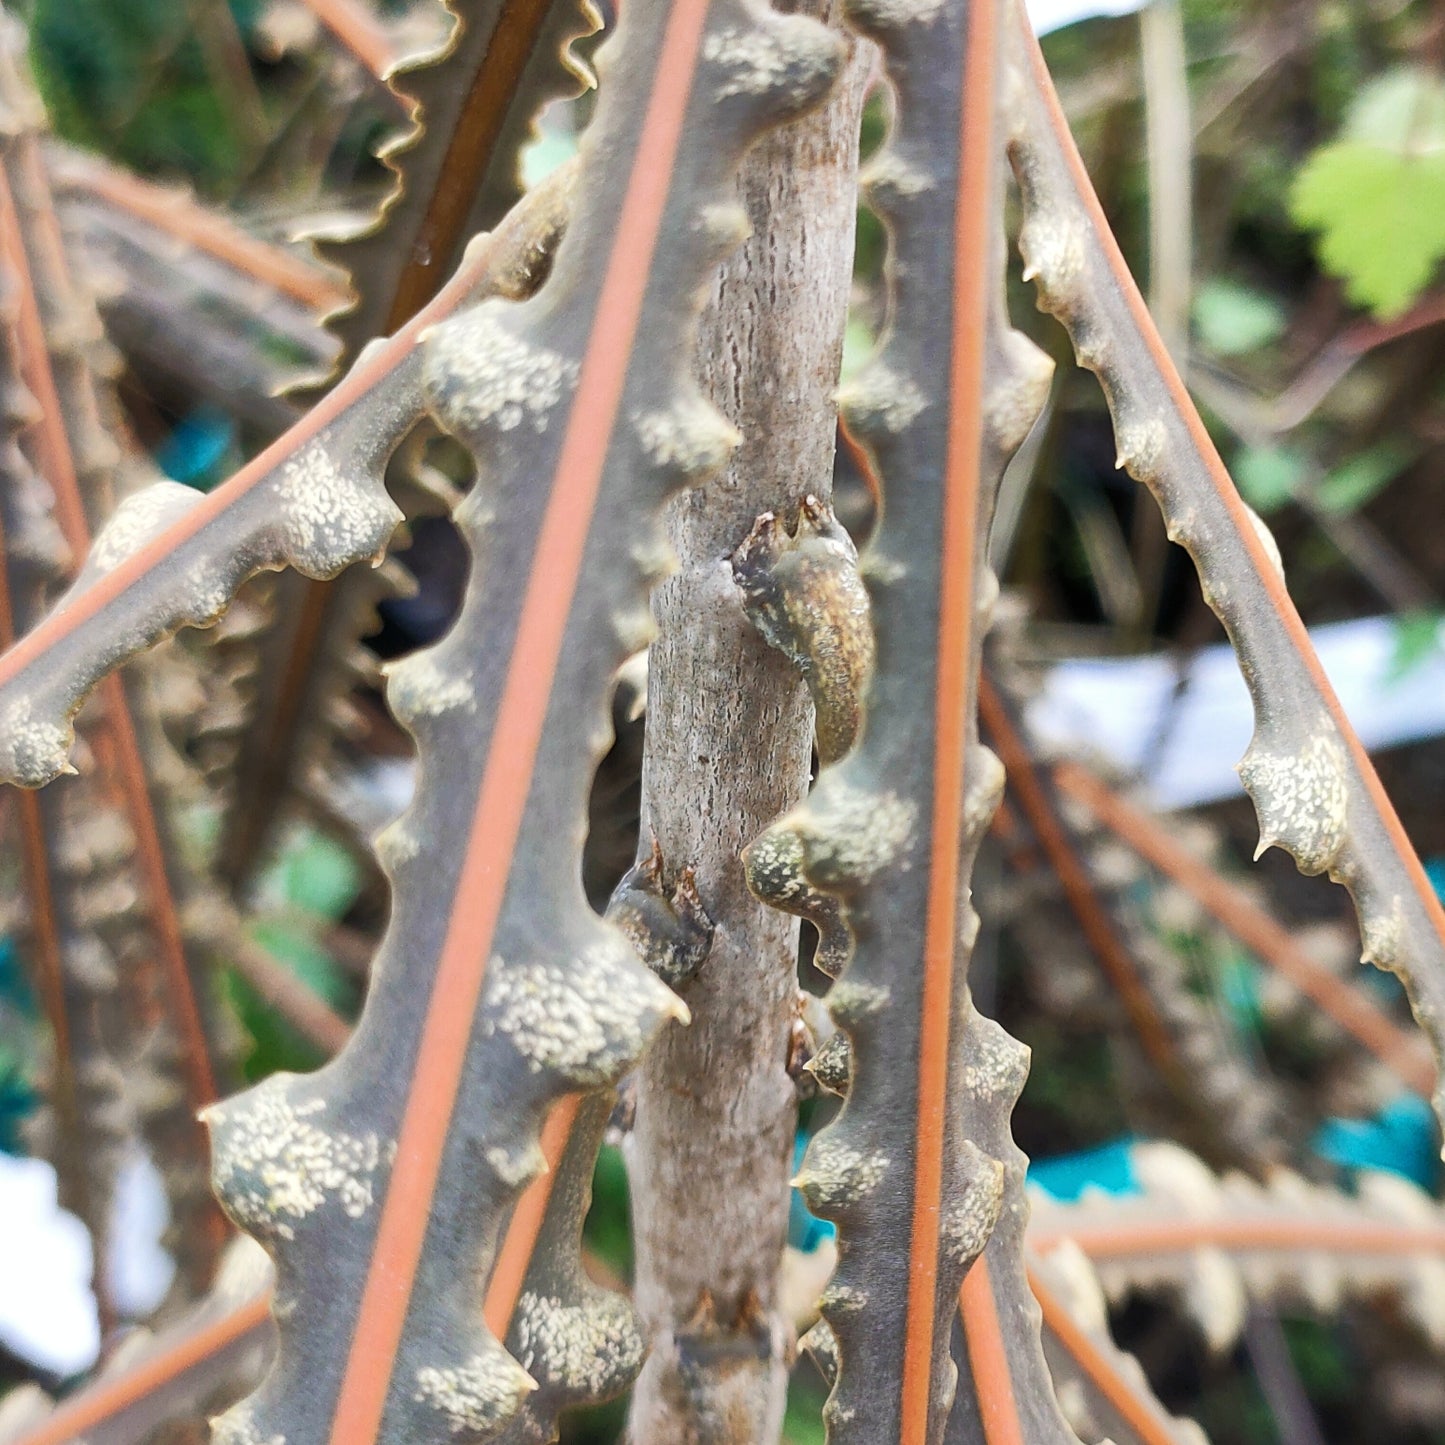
{"x": 1377, "y": 195}
{"x": 1364, "y": 476}
{"x": 1233, "y": 319}
{"x": 859, "y": 343}
{"x": 1402, "y": 110}
{"x": 315, "y": 874}
{"x": 608, "y": 1229}
{"x": 1267, "y": 476}
{"x": 1417, "y": 636}
{"x": 1381, "y": 218}
{"x": 295, "y": 948}
{"x": 275, "y": 1044}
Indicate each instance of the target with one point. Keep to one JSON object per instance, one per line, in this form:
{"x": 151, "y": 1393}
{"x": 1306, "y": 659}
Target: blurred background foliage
{"x": 1306, "y": 192}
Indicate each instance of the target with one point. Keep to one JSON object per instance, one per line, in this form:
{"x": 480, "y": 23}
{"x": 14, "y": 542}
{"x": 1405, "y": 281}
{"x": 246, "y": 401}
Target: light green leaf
{"x": 1377, "y": 195}
{"x": 1267, "y": 476}
{"x": 1381, "y": 219}
{"x": 1416, "y": 636}
{"x": 1233, "y": 319}
{"x": 1403, "y": 110}
{"x": 313, "y": 873}
{"x": 1349, "y": 486}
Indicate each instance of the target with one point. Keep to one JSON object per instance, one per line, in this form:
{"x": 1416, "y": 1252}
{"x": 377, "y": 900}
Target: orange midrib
{"x": 369, "y": 372}
{"x": 469, "y": 153}
{"x": 57, "y": 464}
{"x": 521, "y": 714}
{"x": 1093, "y": 917}
{"x": 972, "y": 217}
{"x": 108, "y": 1398}
{"x": 178, "y": 215}
{"x": 1230, "y": 907}
{"x": 1246, "y": 536}
{"x": 1137, "y": 1412}
{"x": 1174, "y": 1236}
{"x": 988, "y": 1362}
{"x": 164, "y": 917}
{"x": 504, "y": 1288}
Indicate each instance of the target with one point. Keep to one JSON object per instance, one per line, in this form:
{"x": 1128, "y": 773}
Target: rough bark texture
{"x": 728, "y": 748}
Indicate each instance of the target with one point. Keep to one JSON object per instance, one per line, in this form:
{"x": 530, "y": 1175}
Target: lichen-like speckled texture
{"x": 319, "y": 506}
{"x": 1313, "y": 785}
{"x": 500, "y": 379}
{"x": 477, "y": 1396}
{"x": 487, "y": 891}
{"x": 584, "y": 1020}
{"x": 867, "y": 832}
{"x": 276, "y": 1163}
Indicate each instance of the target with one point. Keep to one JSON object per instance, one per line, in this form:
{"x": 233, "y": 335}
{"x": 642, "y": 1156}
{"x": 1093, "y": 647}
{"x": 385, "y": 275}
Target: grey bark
{"x": 729, "y": 731}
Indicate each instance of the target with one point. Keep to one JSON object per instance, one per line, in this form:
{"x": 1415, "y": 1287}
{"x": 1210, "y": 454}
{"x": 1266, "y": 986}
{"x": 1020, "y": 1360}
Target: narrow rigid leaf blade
{"x": 381, "y": 1183}
{"x": 1103, "y": 1390}
{"x": 1220, "y": 1242}
{"x": 918, "y": 1166}
{"x": 84, "y": 1126}
{"x": 1005, "y": 1392}
{"x": 192, "y": 299}
{"x": 308, "y": 655}
{"x": 216, "y": 1348}
{"x": 1219, "y": 1096}
{"x": 1351, "y": 1006}
{"x": 171, "y": 558}
{"x": 1313, "y": 785}
{"x": 65, "y": 364}
{"x": 473, "y": 103}
{"x": 580, "y": 1343}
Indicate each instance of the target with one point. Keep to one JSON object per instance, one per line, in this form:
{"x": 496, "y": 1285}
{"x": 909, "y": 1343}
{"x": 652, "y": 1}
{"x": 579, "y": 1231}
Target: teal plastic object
{"x": 18, "y": 1019}
{"x": 1109, "y": 1167}
{"x": 195, "y": 450}
{"x": 1400, "y": 1139}
{"x": 805, "y": 1230}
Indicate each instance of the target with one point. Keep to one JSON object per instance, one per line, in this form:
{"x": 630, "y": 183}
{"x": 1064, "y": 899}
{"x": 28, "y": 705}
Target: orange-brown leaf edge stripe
{"x": 509, "y": 1272}
{"x": 988, "y": 1359}
{"x": 972, "y": 218}
{"x": 1138, "y": 1412}
{"x": 1176, "y": 1236}
{"x": 1399, "y": 1049}
{"x": 1246, "y": 535}
{"x": 506, "y": 779}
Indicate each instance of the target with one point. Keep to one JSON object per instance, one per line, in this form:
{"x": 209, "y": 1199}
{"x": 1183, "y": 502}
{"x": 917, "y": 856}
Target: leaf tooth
{"x": 474, "y": 1396}
{"x": 837, "y": 1173}
{"x": 1015, "y": 395}
{"x": 592, "y": 1350}
{"x": 1301, "y": 794}
{"x": 881, "y": 401}
{"x": 1054, "y": 245}
{"x": 587, "y": 1024}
